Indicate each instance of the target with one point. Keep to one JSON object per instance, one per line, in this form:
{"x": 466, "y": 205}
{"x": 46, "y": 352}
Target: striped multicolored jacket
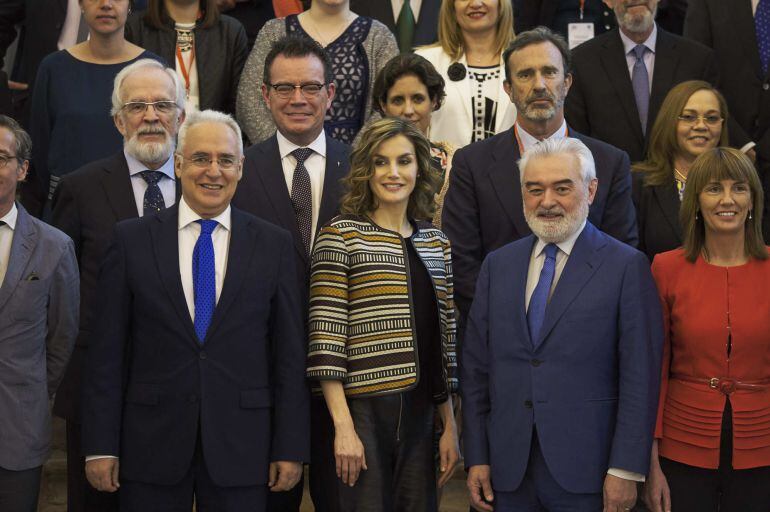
{"x": 361, "y": 317}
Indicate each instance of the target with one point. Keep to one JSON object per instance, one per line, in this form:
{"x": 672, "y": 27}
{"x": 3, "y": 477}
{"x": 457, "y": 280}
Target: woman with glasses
{"x": 691, "y": 121}
{"x": 70, "y": 117}
{"x": 712, "y": 440}
{"x": 382, "y": 327}
{"x": 357, "y": 46}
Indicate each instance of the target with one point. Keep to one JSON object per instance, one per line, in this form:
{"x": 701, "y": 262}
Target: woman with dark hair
{"x": 712, "y": 440}
{"x": 691, "y": 121}
{"x": 208, "y": 49}
{"x": 409, "y": 87}
{"x": 382, "y": 326}
{"x": 70, "y": 118}
{"x": 357, "y": 46}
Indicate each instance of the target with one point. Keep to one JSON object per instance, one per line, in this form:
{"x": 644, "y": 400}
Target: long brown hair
{"x": 716, "y": 165}
{"x": 156, "y": 15}
{"x": 359, "y": 199}
{"x": 658, "y": 168}
{"x": 450, "y": 37}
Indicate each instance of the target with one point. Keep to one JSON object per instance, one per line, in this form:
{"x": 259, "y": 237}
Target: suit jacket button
{"x": 765, "y": 86}
{"x": 535, "y": 362}
{"x": 528, "y": 404}
{"x": 202, "y": 354}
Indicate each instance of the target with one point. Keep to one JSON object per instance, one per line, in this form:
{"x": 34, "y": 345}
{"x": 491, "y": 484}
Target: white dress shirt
{"x": 536, "y": 262}
{"x": 6, "y": 239}
{"x": 316, "y": 168}
{"x": 167, "y": 183}
{"x": 649, "y": 57}
{"x": 528, "y": 140}
{"x": 414, "y": 4}
{"x": 754, "y": 4}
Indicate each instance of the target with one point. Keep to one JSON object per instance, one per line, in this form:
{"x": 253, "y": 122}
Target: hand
{"x": 102, "y": 474}
{"x": 657, "y": 495}
{"x": 17, "y": 86}
{"x": 349, "y": 455}
{"x": 619, "y": 494}
{"x": 284, "y": 475}
{"x": 480, "y": 483}
{"x": 449, "y": 452}
{"x": 225, "y": 5}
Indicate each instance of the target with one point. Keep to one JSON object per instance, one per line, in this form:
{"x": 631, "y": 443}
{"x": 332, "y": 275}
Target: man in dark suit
{"x": 38, "y": 325}
{"x": 622, "y": 77}
{"x": 482, "y": 208}
{"x": 565, "y": 329}
{"x": 137, "y": 181}
{"x": 558, "y": 14}
{"x": 388, "y": 12}
{"x": 195, "y": 378}
{"x": 731, "y": 29}
{"x": 293, "y": 179}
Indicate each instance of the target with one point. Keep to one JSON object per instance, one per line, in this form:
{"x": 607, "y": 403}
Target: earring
{"x": 696, "y": 214}
{"x": 750, "y": 215}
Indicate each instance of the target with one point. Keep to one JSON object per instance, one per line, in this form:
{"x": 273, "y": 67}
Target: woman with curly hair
{"x": 382, "y": 326}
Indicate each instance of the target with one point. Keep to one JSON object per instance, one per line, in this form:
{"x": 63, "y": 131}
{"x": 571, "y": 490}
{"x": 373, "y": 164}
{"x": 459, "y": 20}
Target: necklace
{"x": 679, "y": 175}
{"x": 322, "y": 38}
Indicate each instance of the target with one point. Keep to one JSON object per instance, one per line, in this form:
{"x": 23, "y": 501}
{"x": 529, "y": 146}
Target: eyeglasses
{"x": 709, "y": 120}
{"x": 136, "y": 108}
{"x": 286, "y": 91}
{"x": 226, "y": 163}
{"x": 4, "y": 159}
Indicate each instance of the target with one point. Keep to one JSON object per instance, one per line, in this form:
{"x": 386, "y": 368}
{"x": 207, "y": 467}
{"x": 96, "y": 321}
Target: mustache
{"x": 541, "y": 95}
{"x": 151, "y": 130}
{"x": 555, "y": 210}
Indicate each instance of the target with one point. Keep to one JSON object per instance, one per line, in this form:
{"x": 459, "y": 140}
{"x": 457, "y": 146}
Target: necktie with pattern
{"x": 204, "y": 278}
{"x": 762, "y": 26}
{"x": 301, "y": 196}
{"x": 539, "y": 299}
{"x": 640, "y": 80}
{"x": 405, "y": 28}
{"x": 153, "y": 198}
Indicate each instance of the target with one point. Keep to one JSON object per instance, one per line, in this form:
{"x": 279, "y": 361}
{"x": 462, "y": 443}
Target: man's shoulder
{"x": 91, "y": 170}
{"x": 46, "y": 234}
{"x": 484, "y": 148}
{"x": 585, "y": 52}
{"x": 682, "y": 45}
{"x": 261, "y": 226}
{"x": 599, "y": 148}
{"x": 337, "y": 147}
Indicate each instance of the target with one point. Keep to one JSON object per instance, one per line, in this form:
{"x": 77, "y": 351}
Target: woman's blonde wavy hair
{"x": 450, "y": 36}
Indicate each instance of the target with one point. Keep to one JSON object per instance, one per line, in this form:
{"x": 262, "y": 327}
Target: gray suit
{"x": 39, "y": 302}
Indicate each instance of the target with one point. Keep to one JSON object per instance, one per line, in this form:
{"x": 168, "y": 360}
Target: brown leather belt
{"x": 726, "y": 385}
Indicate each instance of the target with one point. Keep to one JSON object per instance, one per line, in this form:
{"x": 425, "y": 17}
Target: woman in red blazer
{"x": 712, "y": 447}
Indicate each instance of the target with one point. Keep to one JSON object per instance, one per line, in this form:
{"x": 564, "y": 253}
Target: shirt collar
{"x": 629, "y": 45}
{"x": 187, "y": 216}
{"x": 135, "y": 166}
{"x": 285, "y": 146}
{"x": 565, "y": 245}
{"x": 10, "y": 217}
{"x": 528, "y": 140}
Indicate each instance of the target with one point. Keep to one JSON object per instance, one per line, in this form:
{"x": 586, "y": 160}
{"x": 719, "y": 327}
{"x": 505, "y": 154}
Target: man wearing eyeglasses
{"x": 293, "y": 179}
{"x": 148, "y": 108}
{"x": 194, "y": 388}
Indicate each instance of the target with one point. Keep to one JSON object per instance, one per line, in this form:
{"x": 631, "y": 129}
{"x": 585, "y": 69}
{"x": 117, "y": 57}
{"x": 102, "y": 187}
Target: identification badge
{"x": 578, "y": 33}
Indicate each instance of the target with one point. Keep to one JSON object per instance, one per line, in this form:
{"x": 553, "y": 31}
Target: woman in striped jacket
{"x": 382, "y": 326}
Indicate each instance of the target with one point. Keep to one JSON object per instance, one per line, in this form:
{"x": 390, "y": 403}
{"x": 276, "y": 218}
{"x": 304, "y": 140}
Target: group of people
{"x": 418, "y": 253}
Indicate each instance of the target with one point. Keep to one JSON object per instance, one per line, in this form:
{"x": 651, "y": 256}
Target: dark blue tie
{"x": 204, "y": 278}
{"x": 153, "y": 198}
{"x": 762, "y": 25}
{"x": 539, "y": 299}
{"x": 302, "y": 196}
{"x": 640, "y": 80}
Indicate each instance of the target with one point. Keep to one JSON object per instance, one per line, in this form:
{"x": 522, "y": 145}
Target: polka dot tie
{"x": 301, "y": 196}
{"x": 762, "y": 25}
{"x": 204, "y": 278}
{"x": 153, "y": 198}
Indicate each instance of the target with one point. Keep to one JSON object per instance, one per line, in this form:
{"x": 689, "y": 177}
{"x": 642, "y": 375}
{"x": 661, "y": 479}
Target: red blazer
{"x": 699, "y": 302}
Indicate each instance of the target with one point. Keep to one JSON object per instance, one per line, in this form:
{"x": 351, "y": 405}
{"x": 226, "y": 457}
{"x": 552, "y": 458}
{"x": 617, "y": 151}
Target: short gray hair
{"x": 565, "y": 146}
{"x": 20, "y": 138}
{"x": 117, "y": 102}
{"x": 208, "y": 116}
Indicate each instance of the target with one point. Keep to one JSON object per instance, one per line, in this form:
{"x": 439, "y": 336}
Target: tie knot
{"x": 550, "y": 251}
{"x": 302, "y": 154}
{"x": 207, "y": 226}
{"x": 639, "y": 51}
{"x": 151, "y": 177}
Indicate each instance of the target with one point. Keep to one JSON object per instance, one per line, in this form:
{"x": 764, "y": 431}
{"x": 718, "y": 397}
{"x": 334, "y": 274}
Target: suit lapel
{"x": 584, "y": 260}
{"x": 504, "y": 173}
{"x": 668, "y": 201}
{"x": 613, "y": 60}
{"x": 23, "y": 244}
{"x": 165, "y": 241}
{"x": 335, "y": 171}
{"x": 518, "y": 280}
{"x": 666, "y": 61}
{"x": 116, "y": 182}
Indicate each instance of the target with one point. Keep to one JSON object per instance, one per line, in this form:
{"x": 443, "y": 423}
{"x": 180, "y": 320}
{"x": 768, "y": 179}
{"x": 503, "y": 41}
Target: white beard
{"x": 150, "y": 152}
{"x": 558, "y": 230}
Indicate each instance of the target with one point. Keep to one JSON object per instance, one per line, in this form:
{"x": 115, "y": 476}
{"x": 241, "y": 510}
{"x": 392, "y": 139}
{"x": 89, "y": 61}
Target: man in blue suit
{"x": 195, "y": 375}
{"x": 561, "y": 360}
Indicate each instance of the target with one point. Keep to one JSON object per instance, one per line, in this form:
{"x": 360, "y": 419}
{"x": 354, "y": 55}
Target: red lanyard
{"x": 518, "y": 139}
{"x": 582, "y": 8}
{"x": 183, "y": 68}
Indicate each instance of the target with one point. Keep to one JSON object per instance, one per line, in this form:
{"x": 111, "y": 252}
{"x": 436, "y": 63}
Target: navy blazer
{"x": 150, "y": 388}
{"x": 590, "y": 386}
{"x": 483, "y": 207}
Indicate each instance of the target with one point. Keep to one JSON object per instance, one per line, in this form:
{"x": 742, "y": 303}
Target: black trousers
{"x": 81, "y": 497}
{"x": 723, "y": 489}
{"x": 397, "y": 433}
{"x": 19, "y": 490}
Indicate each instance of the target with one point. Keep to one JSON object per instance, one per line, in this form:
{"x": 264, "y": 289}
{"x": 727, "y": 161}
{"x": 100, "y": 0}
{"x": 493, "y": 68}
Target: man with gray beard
{"x": 482, "y": 208}
{"x": 148, "y": 108}
{"x": 565, "y": 330}
{"x": 621, "y": 77}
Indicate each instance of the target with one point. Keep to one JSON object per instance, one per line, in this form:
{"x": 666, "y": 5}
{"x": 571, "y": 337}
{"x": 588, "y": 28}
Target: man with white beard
{"x": 148, "y": 108}
{"x": 561, "y": 358}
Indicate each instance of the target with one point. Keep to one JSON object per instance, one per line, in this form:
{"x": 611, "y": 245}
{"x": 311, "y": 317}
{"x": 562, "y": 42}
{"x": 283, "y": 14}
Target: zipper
{"x": 411, "y": 315}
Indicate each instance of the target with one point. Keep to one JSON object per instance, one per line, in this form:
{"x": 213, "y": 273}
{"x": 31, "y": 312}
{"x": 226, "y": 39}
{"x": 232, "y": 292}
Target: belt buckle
{"x": 714, "y": 382}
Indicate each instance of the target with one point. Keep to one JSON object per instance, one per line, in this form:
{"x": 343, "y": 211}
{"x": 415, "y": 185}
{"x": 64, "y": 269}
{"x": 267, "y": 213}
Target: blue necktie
{"x": 204, "y": 278}
{"x": 641, "y": 83}
{"x": 302, "y": 196}
{"x": 539, "y": 299}
{"x": 153, "y": 198}
{"x": 762, "y": 25}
